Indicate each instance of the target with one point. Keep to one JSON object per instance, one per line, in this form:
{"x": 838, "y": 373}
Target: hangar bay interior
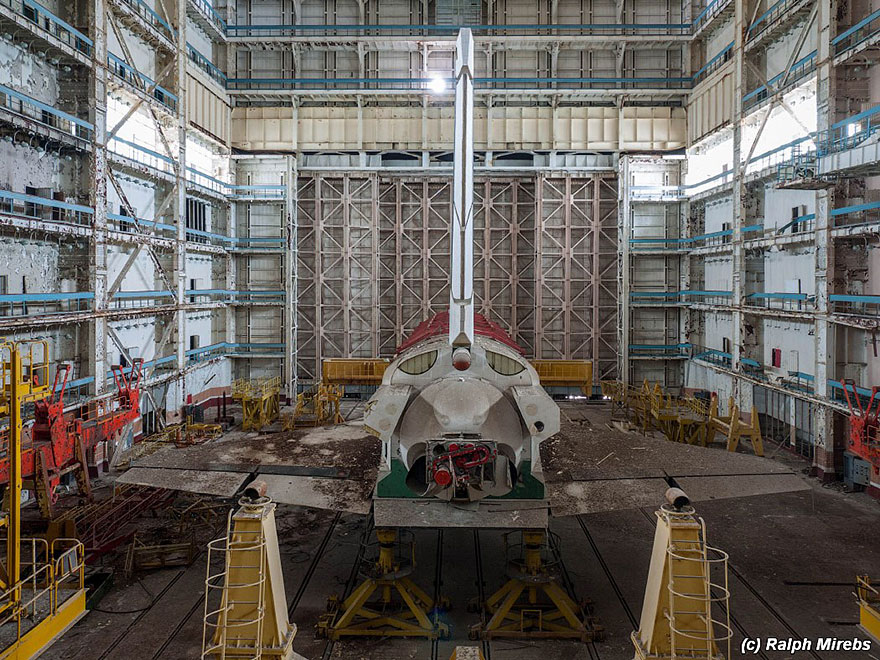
{"x": 439, "y": 329}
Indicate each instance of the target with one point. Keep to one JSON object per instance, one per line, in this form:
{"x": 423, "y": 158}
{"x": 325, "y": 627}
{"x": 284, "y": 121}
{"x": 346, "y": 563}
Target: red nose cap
{"x": 461, "y": 359}
{"x": 442, "y": 477}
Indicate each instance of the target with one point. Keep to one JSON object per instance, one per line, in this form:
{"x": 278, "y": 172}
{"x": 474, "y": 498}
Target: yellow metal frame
{"x": 681, "y": 598}
{"x": 531, "y": 605}
{"x": 358, "y": 616}
{"x": 250, "y": 620}
{"x": 566, "y": 373}
{"x": 868, "y": 597}
{"x": 52, "y": 597}
{"x": 685, "y": 419}
{"x": 317, "y": 406}
{"x": 260, "y": 401}
{"x": 342, "y": 371}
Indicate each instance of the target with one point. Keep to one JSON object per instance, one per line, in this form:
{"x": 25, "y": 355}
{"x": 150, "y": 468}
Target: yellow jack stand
{"x": 869, "y": 606}
{"x": 733, "y": 428}
{"x": 251, "y": 618}
{"x": 680, "y": 595}
{"x": 382, "y": 617}
{"x": 531, "y": 605}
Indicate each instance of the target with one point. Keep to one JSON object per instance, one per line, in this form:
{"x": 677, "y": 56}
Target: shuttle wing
{"x": 593, "y": 470}
{"x": 329, "y": 467}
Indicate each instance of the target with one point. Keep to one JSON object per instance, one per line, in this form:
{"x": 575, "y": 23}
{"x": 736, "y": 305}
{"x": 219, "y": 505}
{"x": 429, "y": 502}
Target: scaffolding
{"x": 259, "y": 399}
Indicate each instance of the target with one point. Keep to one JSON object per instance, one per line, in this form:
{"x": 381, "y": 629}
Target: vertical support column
{"x": 824, "y": 458}
{"x": 738, "y": 260}
{"x": 179, "y": 204}
{"x": 345, "y": 208}
{"x": 596, "y": 284}
{"x": 290, "y": 276}
{"x": 539, "y": 266}
{"x": 566, "y": 269}
{"x": 375, "y": 320}
{"x": 98, "y": 197}
{"x": 624, "y": 224}
{"x": 319, "y": 276}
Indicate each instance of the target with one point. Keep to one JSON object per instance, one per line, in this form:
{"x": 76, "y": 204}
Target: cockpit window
{"x": 418, "y": 364}
{"x": 504, "y": 365}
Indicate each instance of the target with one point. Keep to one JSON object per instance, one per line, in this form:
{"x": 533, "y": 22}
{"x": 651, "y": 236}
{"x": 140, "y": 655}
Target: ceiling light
{"x": 437, "y": 85}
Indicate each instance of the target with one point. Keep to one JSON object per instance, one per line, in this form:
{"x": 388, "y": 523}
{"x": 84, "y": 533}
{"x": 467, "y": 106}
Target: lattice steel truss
{"x": 374, "y": 256}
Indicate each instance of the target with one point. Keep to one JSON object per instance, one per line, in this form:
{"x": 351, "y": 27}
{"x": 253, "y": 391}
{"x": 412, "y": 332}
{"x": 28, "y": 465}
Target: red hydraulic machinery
{"x": 61, "y": 444}
{"x": 864, "y": 425}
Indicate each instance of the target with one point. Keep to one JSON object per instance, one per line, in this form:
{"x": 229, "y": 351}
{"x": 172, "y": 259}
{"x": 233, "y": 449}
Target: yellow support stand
{"x": 869, "y": 606}
{"x": 37, "y": 609}
{"x": 251, "y": 618}
{"x": 260, "y": 401}
{"x": 362, "y": 614}
{"x": 317, "y": 406}
{"x": 733, "y": 428}
{"x": 532, "y": 605}
{"x": 682, "y": 596}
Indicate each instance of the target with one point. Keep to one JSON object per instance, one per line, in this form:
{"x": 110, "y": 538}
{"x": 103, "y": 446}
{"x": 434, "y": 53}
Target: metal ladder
{"x": 237, "y": 624}
{"x": 695, "y": 634}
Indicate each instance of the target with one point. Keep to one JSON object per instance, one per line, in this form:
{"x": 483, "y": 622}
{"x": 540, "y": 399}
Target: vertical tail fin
{"x": 461, "y": 296}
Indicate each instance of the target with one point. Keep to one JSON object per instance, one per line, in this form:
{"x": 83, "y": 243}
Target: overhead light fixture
{"x": 437, "y": 84}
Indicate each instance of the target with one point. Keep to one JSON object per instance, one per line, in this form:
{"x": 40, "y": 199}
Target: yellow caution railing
{"x": 354, "y": 371}
{"x": 565, "y": 373}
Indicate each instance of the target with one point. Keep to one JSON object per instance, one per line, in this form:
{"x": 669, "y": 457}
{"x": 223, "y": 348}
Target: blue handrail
{"x": 52, "y": 24}
{"x": 55, "y": 112}
{"x": 136, "y": 78}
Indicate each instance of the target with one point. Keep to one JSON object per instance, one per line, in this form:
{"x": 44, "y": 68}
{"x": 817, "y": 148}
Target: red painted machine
{"x": 864, "y": 425}
{"x": 60, "y": 445}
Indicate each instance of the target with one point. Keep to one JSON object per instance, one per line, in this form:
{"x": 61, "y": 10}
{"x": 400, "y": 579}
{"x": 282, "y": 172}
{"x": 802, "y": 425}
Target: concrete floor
{"x": 793, "y": 561}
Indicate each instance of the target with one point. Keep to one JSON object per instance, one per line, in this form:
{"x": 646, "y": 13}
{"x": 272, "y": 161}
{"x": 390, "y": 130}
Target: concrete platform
{"x": 794, "y": 558}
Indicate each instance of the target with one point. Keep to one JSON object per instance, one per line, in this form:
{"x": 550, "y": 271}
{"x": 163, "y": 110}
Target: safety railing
{"x": 205, "y": 353}
{"x": 49, "y": 572}
{"x": 207, "y": 9}
{"x": 49, "y": 23}
{"x": 769, "y": 18}
{"x": 781, "y": 81}
{"x": 853, "y": 305}
{"x": 659, "y": 243}
{"x": 857, "y": 214}
{"x": 836, "y": 392}
{"x": 713, "y": 64}
{"x": 416, "y": 84}
{"x": 141, "y": 82}
{"x": 425, "y": 30}
{"x": 710, "y": 11}
{"x": 803, "y": 224}
{"x": 206, "y": 65}
{"x": 706, "y": 297}
{"x": 32, "y": 207}
{"x": 685, "y": 296}
{"x": 127, "y": 224}
{"x": 660, "y": 350}
{"x": 153, "y": 19}
{"x": 857, "y": 34}
{"x": 849, "y": 133}
{"x": 791, "y": 302}
{"x": 32, "y": 109}
{"x": 713, "y": 355}
{"x": 43, "y": 304}
{"x": 141, "y": 154}
{"x": 256, "y": 192}
{"x": 784, "y": 155}
{"x": 140, "y": 299}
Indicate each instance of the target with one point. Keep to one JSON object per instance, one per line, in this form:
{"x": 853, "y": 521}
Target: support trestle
{"x": 532, "y": 604}
{"x": 387, "y": 603}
